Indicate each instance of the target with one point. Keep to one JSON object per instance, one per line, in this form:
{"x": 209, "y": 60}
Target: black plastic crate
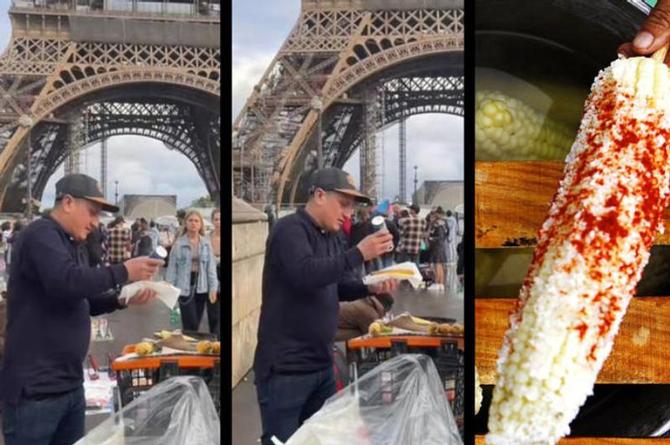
{"x": 448, "y": 359}
{"x": 133, "y": 383}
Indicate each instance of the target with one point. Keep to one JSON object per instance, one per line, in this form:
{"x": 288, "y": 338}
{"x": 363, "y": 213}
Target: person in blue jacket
{"x": 192, "y": 269}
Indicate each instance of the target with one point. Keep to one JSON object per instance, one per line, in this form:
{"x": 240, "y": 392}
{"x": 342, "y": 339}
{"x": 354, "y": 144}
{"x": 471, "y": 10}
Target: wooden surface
{"x": 640, "y": 355}
{"x": 512, "y": 200}
{"x": 479, "y": 440}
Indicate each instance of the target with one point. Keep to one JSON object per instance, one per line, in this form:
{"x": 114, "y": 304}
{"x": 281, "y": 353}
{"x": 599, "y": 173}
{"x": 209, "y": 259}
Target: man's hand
{"x": 375, "y": 245}
{"x": 653, "y": 34}
{"x": 212, "y": 297}
{"x": 142, "y": 268}
{"x": 385, "y": 287}
{"x": 142, "y": 296}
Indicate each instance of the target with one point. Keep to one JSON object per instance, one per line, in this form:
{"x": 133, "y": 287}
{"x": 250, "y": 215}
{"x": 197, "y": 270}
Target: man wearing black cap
{"x": 52, "y": 293}
{"x": 306, "y": 274}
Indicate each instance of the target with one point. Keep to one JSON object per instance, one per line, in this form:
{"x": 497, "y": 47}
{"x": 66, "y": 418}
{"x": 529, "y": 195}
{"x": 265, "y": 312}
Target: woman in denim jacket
{"x": 192, "y": 268}
{"x": 215, "y": 239}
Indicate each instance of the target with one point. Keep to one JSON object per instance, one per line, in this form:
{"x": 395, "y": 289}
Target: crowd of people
{"x": 425, "y": 241}
{"x": 193, "y": 263}
{"x": 9, "y": 231}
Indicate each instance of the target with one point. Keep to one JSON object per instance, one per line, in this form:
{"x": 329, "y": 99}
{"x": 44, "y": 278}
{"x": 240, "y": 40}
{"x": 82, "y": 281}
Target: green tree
{"x": 203, "y": 201}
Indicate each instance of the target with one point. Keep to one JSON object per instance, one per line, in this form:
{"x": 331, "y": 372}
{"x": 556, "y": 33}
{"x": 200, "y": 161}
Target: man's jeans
{"x": 286, "y": 401}
{"x": 52, "y": 421}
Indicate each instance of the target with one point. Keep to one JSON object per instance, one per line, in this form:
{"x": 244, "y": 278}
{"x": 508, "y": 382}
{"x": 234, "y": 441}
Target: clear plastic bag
{"x": 400, "y": 402}
{"x": 178, "y": 411}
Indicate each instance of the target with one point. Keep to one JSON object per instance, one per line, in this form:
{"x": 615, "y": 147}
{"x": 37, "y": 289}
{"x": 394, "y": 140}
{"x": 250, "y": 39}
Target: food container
{"x": 136, "y": 376}
{"x": 366, "y": 353}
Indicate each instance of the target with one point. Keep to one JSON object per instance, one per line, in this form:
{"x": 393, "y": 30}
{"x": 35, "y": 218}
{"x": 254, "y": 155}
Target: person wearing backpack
{"x": 143, "y": 245}
{"x": 437, "y": 237}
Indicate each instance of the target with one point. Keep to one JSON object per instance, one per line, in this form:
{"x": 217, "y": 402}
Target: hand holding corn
{"x": 590, "y": 254}
{"x": 653, "y": 34}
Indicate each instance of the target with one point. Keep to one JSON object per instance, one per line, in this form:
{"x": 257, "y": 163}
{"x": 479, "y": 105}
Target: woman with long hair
{"x": 192, "y": 269}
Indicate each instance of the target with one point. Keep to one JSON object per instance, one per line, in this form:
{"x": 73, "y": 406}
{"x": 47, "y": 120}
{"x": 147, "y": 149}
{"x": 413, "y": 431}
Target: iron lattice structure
{"x": 69, "y": 79}
{"x": 348, "y": 68}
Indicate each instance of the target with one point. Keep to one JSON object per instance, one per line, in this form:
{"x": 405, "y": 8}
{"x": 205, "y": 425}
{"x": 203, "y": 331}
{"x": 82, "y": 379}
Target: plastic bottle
{"x": 175, "y": 318}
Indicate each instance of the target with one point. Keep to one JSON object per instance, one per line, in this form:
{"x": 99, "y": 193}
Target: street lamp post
{"x": 116, "y": 192}
{"x": 416, "y": 181}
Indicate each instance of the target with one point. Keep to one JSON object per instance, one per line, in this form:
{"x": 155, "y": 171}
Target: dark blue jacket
{"x": 306, "y": 274}
{"x": 52, "y": 292}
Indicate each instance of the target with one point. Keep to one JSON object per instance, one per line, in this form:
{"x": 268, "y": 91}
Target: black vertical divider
{"x": 226, "y": 308}
{"x": 469, "y": 228}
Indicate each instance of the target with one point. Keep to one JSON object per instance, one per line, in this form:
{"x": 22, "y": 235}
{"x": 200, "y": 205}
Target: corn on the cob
{"x": 590, "y": 255}
{"x": 145, "y": 348}
{"x": 377, "y": 328}
{"x": 507, "y": 129}
{"x": 478, "y": 392}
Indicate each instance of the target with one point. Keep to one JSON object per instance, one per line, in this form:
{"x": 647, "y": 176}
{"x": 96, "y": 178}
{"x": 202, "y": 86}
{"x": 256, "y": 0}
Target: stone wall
{"x": 250, "y": 230}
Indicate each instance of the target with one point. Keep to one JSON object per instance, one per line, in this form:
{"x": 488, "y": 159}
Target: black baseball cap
{"x": 336, "y": 180}
{"x": 83, "y": 187}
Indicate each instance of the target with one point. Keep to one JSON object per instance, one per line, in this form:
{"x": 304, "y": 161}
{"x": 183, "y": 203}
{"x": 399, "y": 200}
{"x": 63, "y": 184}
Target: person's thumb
{"x": 655, "y": 30}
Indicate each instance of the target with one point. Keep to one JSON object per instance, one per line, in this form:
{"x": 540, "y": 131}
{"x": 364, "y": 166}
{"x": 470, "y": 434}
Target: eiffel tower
{"x": 347, "y": 69}
{"x": 77, "y": 72}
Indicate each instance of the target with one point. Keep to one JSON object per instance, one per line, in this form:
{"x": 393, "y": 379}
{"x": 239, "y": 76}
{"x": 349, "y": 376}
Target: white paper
{"x": 166, "y": 292}
{"x": 164, "y": 351}
{"x": 415, "y": 279}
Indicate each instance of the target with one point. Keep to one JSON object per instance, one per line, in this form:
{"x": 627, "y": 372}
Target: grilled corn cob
{"x": 589, "y": 257}
{"x": 145, "y": 348}
{"x": 506, "y": 128}
{"x": 377, "y": 328}
{"x": 208, "y": 347}
{"x": 203, "y": 347}
{"x": 478, "y": 392}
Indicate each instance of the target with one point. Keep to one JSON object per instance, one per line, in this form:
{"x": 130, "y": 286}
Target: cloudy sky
{"x": 141, "y": 165}
{"x": 4, "y": 24}
{"x": 434, "y": 142}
